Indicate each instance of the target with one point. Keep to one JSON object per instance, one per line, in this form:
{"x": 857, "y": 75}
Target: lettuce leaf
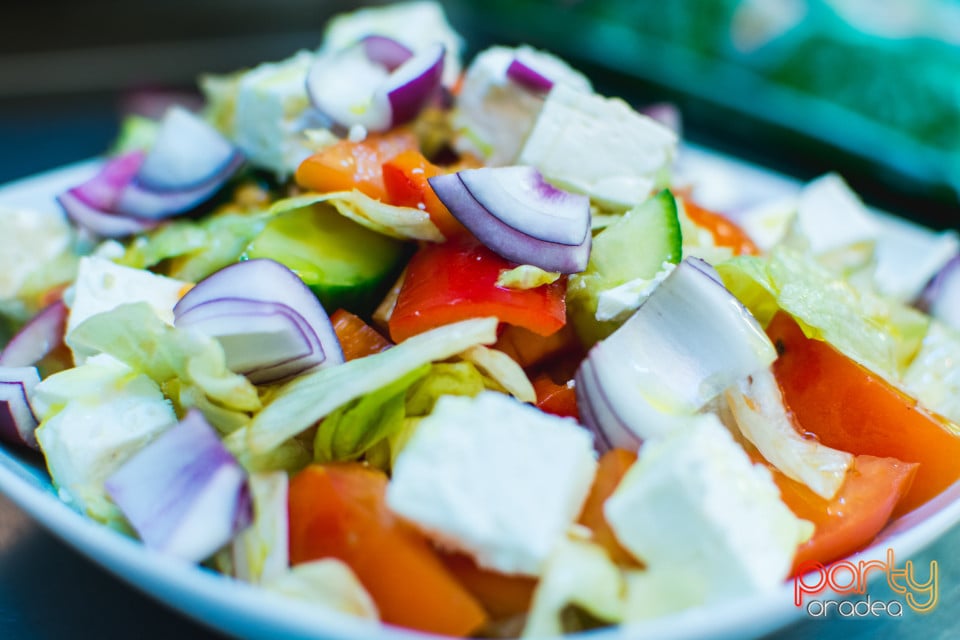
{"x": 879, "y": 333}
{"x": 404, "y": 223}
{"x": 134, "y": 335}
{"x": 348, "y": 432}
{"x": 328, "y": 583}
{"x": 303, "y": 401}
{"x": 261, "y": 552}
{"x": 196, "y": 249}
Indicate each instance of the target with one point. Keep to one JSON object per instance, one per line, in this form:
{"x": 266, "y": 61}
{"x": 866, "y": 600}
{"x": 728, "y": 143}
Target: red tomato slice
{"x": 457, "y": 280}
{"x": 725, "y": 232}
{"x": 405, "y": 177}
{"x": 849, "y": 408}
{"x": 613, "y": 465}
{"x": 356, "y": 337}
{"x": 855, "y": 516}
{"x": 339, "y": 511}
{"x": 347, "y": 165}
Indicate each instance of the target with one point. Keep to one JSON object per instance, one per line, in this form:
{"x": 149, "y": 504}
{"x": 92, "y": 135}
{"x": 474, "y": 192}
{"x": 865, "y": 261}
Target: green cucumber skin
{"x": 636, "y": 246}
{"x": 345, "y": 264}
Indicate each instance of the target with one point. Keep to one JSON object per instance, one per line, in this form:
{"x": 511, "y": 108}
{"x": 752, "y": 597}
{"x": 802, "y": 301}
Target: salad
{"x": 457, "y": 346}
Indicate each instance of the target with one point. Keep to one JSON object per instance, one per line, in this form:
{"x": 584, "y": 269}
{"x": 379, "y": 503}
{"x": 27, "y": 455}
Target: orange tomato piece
{"x": 613, "y": 465}
{"x": 853, "y": 518}
{"x": 530, "y": 349}
{"x": 347, "y": 165}
{"x": 725, "y": 232}
{"x": 502, "y": 596}
{"x": 558, "y": 399}
{"x": 356, "y": 337}
{"x": 339, "y": 511}
{"x": 457, "y": 280}
{"x": 405, "y": 177}
{"x": 849, "y": 408}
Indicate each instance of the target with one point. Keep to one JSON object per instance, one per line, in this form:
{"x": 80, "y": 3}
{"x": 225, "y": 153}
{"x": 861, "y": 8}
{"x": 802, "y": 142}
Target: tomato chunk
{"x": 558, "y": 399}
{"x": 849, "y": 408}
{"x": 502, "y": 596}
{"x": 347, "y": 165}
{"x": 613, "y": 465}
{"x": 339, "y": 511}
{"x": 725, "y": 232}
{"x": 405, "y": 177}
{"x": 457, "y": 280}
{"x": 853, "y": 518}
{"x": 356, "y": 337}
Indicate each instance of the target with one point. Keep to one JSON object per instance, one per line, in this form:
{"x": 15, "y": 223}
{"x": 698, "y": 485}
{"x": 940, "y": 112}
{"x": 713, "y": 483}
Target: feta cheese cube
{"x": 494, "y": 478}
{"x": 830, "y": 216}
{"x": 694, "y": 502}
{"x": 270, "y": 102}
{"x": 31, "y": 239}
{"x": 102, "y": 286}
{"x": 598, "y": 146}
{"x": 96, "y": 416}
{"x": 494, "y": 114}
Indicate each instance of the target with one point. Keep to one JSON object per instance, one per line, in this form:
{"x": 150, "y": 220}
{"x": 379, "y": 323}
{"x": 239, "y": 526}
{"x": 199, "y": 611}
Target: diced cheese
{"x": 694, "y": 502}
{"x": 30, "y": 239}
{"x": 102, "y": 285}
{"x": 270, "y": 103}
{"x": 908, "y": 256}
{"x": 415, "y": 25}
{"x": 96, "y": 416}
{"x": 494, "y": 114}
{"x": 494, "y": 478}
{"x": 598, "y": 146}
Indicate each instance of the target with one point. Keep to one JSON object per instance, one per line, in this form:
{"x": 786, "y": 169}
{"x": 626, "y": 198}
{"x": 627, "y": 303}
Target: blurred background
{"x": 865, "y": 87}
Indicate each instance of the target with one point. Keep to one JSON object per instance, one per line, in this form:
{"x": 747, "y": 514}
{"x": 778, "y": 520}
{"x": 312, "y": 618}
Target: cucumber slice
{"x": 635, "y": 246}
{"x": 345, "y": 264}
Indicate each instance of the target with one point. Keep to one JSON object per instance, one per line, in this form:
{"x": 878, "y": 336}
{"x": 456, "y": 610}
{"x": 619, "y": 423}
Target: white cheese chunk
{"x": 831, "y": 217}
{"x": 494, "y": 478}
{"x": 30, "y": 239}
{"x": 599, "y": 147}
{"x": 494, "y": 114}
{"x": 694, "y": 502}
{"x": 102, "y": 286}
{"x": 271, "y": 100}
{"x": 96, "y": 416}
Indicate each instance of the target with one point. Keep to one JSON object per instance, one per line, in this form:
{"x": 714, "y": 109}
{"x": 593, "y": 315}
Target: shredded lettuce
{"x": 503, "y": 371}
{"x": 580, "y": 574}
{"x": 444, "y": 379}
{"x": 300, "y": 403}
{"x": 526, "y": 276}
{"x": 404, "y": 223}
{"x": 933, "y": 377}
{"x": 136, "y": 132}
{"x": 881, "y": 334}
{"x": 134, "y": 335}
{"x": 328, "y": 583}
{"x": 261, "y": 551}
{"x": 348, "y": 432}
{"x": 196, "y": 249}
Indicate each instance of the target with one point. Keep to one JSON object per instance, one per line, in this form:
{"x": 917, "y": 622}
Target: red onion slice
{"x": 264, "y": 281}
{"x": 689, "y": 341}
{"x": 36, "y": 339}
{"x": 18, "y": 423}
{"x": 385, "y": 51}
{"x": 184, "y": 493}
{"x": 101, "y": 223}
{"x": 361, "y": 85}
{"x": 189, "y": 162}
{"x": 941, "y": 297}
{"x": 524, "y": 72}
{"x": 411, "y": 87}
{"x": 264, "y": 341}
{"x": 523, "y": 246}
{"x": 103, "y": 190}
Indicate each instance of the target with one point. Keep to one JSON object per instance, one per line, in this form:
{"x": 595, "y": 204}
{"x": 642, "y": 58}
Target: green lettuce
{"x": 348, "y": 432}
{"x": 879, "y": 333}
{"x": 134, "y": 335}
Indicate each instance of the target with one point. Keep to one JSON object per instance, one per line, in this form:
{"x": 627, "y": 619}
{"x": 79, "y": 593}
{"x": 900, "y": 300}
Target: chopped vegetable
{"x": 356, "y": 337}
{"x": 406, "y": 180}
{"x": 457, "y": 280}
{"x": 338, "y": 511}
